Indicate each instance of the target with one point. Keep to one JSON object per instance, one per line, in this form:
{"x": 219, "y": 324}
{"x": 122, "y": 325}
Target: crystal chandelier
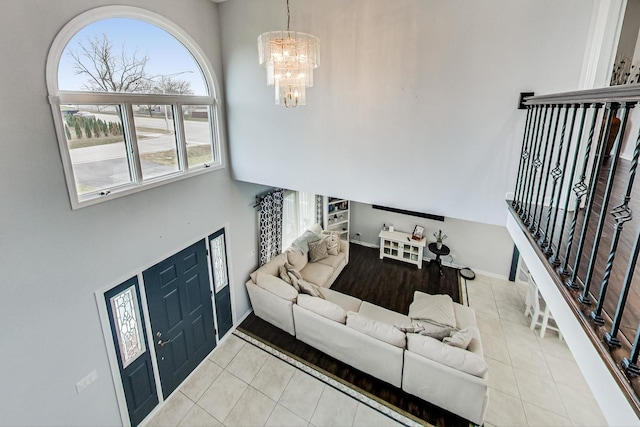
{"x": 289, "y": 58}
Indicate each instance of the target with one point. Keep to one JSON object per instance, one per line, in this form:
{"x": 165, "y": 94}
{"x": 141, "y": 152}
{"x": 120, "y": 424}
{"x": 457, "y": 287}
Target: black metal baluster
{"x": 584, "y": 298}
{"x": 630, "y": 364}
{"x": 546, "y": 166}
{"x": 556, "y": 173}
{"x": 528, "y": 221}
{"x": 520, "y": 173}
{"x": 621, "y": 214}
{"x": 527, "y": 173}
{"x": 555, "y": 259}
{"x": 580, "y": 189}
{"x": 611, "y": 337}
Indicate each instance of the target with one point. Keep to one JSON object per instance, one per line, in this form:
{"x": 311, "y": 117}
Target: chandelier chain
{"x": 288, "y": 16}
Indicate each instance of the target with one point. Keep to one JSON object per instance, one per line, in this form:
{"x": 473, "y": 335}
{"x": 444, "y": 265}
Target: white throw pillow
{"x": 376, "y": 329}
{"x": 276, "y": 286}
{"x": 322, "y": 307}
{"x": 315, "y": 228}
{"x": 436, "y": 309}
{"x": 457, "y": 358}
{"x": 333, "y": 242}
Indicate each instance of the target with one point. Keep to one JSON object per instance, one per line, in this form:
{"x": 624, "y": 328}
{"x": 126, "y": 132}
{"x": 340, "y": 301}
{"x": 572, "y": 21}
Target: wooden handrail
{"x": 623, "y": 93}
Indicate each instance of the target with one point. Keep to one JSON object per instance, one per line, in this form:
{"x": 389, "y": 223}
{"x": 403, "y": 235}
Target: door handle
{"x": 163, "y": 343}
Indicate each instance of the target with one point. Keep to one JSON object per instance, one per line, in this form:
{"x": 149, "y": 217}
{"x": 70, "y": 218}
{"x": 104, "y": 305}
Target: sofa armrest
{"x": 344, "y": 247}
{"x": 270, "y": 307}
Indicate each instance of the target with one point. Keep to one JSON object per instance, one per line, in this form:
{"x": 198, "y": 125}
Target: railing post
{"x": 621, "y": 214}
{"x": 520, "y": 173}
{"x": 555, "y": 260}
{"x": 585, "y": 298}
{"x": 579, "y": 188}
{"x": 535, "y": 166}
{"x": 556, "y": 173}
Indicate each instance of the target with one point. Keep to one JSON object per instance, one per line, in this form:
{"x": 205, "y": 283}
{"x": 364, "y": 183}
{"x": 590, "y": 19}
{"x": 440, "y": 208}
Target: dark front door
{"x": 132, "y": 349}
{"x": 181, "y": 313}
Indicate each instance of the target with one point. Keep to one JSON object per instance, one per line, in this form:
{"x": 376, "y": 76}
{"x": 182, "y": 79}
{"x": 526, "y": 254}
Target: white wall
{"x": 482, "y": 247}
{"x": 414, "y": 100}
{"x": 53, "y": 259}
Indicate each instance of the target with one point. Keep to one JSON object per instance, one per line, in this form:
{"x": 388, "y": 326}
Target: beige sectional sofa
{"x": 363, "y": 336}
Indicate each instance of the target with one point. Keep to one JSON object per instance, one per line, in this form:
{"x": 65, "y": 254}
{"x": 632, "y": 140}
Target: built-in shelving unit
{"x": 337, "y": 215}
{"x": 400, "y": 246}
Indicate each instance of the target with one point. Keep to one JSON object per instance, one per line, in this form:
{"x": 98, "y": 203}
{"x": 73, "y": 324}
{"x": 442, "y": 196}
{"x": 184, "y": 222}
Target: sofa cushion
{"x": 296, "y": 258}
{"x": 317, "y": 250}
{"x": 333, "y": 261}
{"x": 309, "y": 288}
{"x": 323, "y": 308}
{"x": 271, "y": 267}
{"x": 379, "y": 330}
{"x": 436, "y": 309}
{"x": 381, "y": 314}
{"x": 315, "y": 228}
{"x": 347, "y": 302}
{"x": 276, "y": 286}
{"x": 460, "y": 339}
{"x": 454, "y": 357}
{"x": 317, "y": 273}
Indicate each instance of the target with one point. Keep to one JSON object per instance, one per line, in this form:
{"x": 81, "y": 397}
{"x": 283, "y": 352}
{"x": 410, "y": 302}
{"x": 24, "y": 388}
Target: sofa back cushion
{"x": 379, "y": 330}
{"x": 296, "y": 258}
{"x": 276, "y": 286}
{"x": 454, "y": 357}
{"x": 322, "y": 307}
{"x": 272, "y": 267}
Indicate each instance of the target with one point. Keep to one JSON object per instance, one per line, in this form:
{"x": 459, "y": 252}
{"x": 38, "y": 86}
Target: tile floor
{"x": 241, "y": 385}
{"x": 533, "y": 381}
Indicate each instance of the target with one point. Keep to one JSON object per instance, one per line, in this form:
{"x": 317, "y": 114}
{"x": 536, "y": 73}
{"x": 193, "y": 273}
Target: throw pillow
{"x": 322, "y": 307}
{"x": 456, "y": 358}
{"x": 333, "y": 242}
{"x": 302, "y": 242}
{"x": 282, "y": 272}
{"x": 317, "y": 251}
{"x": 436, "y": 309}
{"x": 310, "y": 289}
{"x": 376, "y": 329}
{"x": 460, "y": 339}
{"x": 276, "y": 286}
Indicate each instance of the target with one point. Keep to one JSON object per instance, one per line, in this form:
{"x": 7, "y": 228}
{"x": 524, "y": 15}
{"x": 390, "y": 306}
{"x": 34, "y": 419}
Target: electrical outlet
{"x": 87, "y": 381}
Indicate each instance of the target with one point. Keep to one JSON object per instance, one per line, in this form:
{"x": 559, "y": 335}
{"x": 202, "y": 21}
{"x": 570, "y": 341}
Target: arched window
{"x": 134, "y": 104}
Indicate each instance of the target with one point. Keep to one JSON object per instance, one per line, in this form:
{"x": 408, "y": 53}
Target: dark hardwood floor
{"x": 387, "y": 283}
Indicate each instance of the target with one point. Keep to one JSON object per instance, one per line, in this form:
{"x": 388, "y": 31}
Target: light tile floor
{"x": 241, "y": 385}
{"x": 533, "y": 381}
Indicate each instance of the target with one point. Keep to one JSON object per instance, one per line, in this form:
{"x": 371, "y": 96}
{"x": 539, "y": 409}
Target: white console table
{"x": 400, "y": 246}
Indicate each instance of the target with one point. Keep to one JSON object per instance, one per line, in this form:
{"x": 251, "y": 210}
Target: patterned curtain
{"x": 319, "y": 209}
{"x": 270, "y": 224}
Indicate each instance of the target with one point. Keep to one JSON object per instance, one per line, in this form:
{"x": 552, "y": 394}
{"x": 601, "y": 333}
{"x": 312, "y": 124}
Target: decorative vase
{"x": 439, "y": 245}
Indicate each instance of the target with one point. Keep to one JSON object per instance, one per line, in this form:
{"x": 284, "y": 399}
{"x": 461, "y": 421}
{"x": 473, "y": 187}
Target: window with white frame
{"x": 134, "y": 104}
{"x": 298, "y": 213}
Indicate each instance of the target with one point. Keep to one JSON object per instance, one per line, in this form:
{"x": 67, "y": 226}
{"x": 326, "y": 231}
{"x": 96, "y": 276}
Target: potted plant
{"x": 440, "y": 236}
